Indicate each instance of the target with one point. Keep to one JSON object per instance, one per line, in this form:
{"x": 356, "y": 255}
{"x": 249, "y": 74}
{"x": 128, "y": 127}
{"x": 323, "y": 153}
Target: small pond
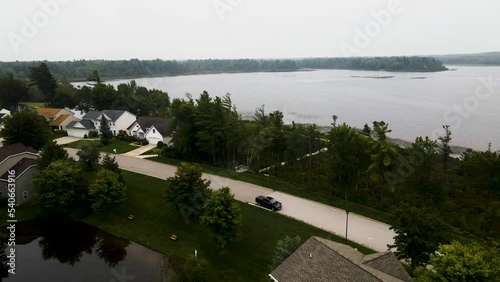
{"x": 76, "y": 252}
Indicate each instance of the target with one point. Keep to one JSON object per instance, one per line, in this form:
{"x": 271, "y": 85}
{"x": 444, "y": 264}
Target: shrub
{"x": 143, "y": 141}
{"x": 122, "y": 135}
{"x": 93, "y": 134}
{"x": 85, "y": 136}
{"x": 160, "y": 144}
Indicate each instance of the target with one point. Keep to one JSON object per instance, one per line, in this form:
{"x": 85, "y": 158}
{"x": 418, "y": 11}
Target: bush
{"x": 195, "y": 269}
{"x": 93, "y": 134}
{"x": 60, "y": 133}
{"x": 160, "y": 144}
{"x": 85, "y": 136}
{"x": 122, "y": 135}
{"x": 143, "y": 141}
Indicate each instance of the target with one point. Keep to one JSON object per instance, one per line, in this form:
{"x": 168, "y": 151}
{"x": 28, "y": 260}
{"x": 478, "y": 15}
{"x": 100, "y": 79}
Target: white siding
{"x": 77, "y": 132}
{"x": 153, "y": 135}
{"x": 124, "y": 121}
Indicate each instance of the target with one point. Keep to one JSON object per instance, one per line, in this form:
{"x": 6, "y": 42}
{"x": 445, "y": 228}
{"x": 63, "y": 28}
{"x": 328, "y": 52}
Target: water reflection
{"x": 76, "y": 252}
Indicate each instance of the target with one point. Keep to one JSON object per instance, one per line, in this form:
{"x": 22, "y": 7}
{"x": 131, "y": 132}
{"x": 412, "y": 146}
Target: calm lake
{"x": 76, "y": 252}
{"x": 414, "y": 104}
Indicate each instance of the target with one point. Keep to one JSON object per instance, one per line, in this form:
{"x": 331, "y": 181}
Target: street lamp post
{"x": 346, "y": 224}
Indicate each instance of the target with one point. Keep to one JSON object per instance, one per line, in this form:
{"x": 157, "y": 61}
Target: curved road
{"x": 362, "y": 230}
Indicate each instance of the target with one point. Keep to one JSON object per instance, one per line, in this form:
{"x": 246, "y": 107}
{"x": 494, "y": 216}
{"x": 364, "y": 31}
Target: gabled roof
{"x": 49, "y": 113}
{"x": 114, "y": 115}
{"x": 59, "y": 120}
{"x": 87, "y": 124}
{"x": 161, "y": 124}
{"x": 14, "y": 149}
{"x": 322, "y": 260}
{"x": 19, "y": 168}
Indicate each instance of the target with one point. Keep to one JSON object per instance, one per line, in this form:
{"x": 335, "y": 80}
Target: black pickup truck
{"x": 268, "y": 202}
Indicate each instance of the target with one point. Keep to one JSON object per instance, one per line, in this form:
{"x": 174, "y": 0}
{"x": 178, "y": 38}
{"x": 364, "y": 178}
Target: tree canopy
{"x": 26, "y": 127}
{"x": 187, "y": 190}
{"x": 222, "y": 217}
{"x": 107, "y": 191}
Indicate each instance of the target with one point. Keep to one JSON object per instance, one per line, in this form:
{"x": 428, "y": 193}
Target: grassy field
{"x": 319, "y": 196}
{"x": 34, "y": 104}
{"x": 120, "y": 146}
{"x": 155, "y": 220}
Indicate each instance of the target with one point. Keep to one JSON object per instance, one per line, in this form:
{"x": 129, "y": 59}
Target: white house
{"x": 91, "y": 121}
{"x": 151, "y": 128}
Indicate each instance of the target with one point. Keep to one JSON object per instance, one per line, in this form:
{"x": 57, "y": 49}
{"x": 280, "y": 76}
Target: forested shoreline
{"x": 78, "y": 70}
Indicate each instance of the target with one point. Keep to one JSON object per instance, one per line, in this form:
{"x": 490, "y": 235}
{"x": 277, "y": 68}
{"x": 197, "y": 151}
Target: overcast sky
{"x": 202, "y": 29}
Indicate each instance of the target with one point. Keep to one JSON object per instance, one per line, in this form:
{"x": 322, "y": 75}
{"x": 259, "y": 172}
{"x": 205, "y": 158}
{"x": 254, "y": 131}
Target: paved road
{"x": 362, "y": 230}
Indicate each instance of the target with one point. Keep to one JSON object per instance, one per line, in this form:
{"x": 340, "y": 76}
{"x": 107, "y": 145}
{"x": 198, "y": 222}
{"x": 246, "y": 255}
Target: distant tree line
{"x": 489, "y": 58}
{"x": 80, "y": 69}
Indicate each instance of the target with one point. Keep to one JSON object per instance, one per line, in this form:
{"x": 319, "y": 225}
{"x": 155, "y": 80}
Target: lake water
{"x": 414, "y": 104}
{"x": 80, "y": 253}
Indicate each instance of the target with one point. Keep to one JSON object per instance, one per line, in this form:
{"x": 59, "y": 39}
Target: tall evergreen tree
{"x": 43, "y": 79}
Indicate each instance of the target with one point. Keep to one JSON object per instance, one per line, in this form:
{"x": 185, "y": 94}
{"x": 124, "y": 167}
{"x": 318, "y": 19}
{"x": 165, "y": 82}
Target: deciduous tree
{"x": 26, "y": 127}
{"x": 284, "y": 248}
{"x": 107, "y": 191}
{"x": 222, "y": 217}
{"x": 12, "y": 91}
{"x": 50, "y": 153}
{"x": 418, "y": 233}
{"x": 88, "y": 156}
{"x": 61, "y": 191}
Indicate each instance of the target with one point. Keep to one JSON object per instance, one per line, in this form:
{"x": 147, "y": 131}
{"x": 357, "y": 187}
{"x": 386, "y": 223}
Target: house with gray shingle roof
{"x": 322, "y": 260}
{"x": 154, "y": 129}
{"x": 18, "y": 165}
{"x": 91, "y": 121}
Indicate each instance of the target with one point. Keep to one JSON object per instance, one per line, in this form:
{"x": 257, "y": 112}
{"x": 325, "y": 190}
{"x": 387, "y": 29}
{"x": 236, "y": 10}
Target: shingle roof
{"x": 85, "y": 122}
{"x": 59, "y": 120}
{"x": 112, "y": 114}
{"x": 20, "y": 167}
{"x": 321, "y": 260}
{"x": 48, "y": 112}
{"x": 161, "y": 124}
{"x": 9, "y": 150}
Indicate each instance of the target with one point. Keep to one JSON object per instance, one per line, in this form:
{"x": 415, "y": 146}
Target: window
{"x": 25, "y": 195}
{"x": 1, "y": 195}
{"x": 154, "y": 131}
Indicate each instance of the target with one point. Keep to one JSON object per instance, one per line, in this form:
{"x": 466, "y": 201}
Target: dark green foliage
{"x": 105, "y": 132}
{"x": 51, "y": 153}
{"x": 45, "y": 81}
{"x": 26, "y": 127}
{"x": 107, "y": 191}
{"x": 222, "y": 217}
{"x": 419, "y": 231}
{"x": 61, "y": 191}
{"x": 284, "y": 248}
{"x": 187, "y": 190}
{"x": 444, "y": 145}
{"x": 93, "y": 134}
{"x": 88, "y": 156}
{"x": 110, "y": 163}
{"x": 139, "y": 68}
{"x": 12, "y": 91}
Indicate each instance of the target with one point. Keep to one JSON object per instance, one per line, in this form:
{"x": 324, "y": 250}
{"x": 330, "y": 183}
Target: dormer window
{"x": 154, "y": 131}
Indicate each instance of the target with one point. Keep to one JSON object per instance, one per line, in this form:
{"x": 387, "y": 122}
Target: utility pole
{"x": 346, "y": 224}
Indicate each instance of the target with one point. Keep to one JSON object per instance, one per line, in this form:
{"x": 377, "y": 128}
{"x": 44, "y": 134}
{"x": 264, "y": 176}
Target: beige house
{"x": 18, "y": 166}
{"x": 58, "y": 118}
{"x": 322, "y": 260}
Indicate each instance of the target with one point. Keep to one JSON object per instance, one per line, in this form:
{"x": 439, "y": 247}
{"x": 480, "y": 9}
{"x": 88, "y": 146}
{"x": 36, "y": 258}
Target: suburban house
{"x": 3, "y": 113}
{"x": 322, "y": 260}
{"x": 58, "y": 118}
{"x": 153, "y": 129}
{"x": 91, "y": 121}
{"x": 18, "y": 162}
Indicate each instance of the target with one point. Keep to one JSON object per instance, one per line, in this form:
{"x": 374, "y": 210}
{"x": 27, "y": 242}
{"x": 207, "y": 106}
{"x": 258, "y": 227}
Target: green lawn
{"x": 120, "y": 146}
{"x": 34, "y": 104}
{"x": 155, "y": 221}
{"x": 319, "y": 196}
